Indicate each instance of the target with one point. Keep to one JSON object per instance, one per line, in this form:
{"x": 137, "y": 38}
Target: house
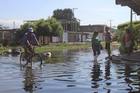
{"x": 71, "y": 28}
{"x": 7, "y": 34}
{"x": 73, "y": 32}
{"x": 84, "y": 33}
{"x": 92, "y": 28}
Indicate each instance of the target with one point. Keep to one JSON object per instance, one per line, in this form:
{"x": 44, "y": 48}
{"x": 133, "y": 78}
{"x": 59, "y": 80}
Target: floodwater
{"x": 69, "y": 72}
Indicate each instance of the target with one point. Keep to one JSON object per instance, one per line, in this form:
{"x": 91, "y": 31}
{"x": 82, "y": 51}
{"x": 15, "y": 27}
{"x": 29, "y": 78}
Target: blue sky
{"x": 88, "y": 11}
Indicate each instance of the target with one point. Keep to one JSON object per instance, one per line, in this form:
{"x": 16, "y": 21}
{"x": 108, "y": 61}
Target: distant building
{"x": 73, "y": 32}
{"x": 71, "y": 28}
{"x": 84, "y": 33}
{"x": 93, "y": 28}
{"x": 7, "y": 34}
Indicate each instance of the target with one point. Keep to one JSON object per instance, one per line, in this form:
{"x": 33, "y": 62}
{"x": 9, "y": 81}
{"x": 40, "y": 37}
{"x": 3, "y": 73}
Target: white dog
{"x": 47, "y": 54}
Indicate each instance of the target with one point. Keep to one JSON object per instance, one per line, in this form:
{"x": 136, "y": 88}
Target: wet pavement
{"x": 69, "y": 72}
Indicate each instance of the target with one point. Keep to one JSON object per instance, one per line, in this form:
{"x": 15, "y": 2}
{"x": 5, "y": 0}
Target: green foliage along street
{"x": 42, "y": 27}
{"x": 135, "y": 31}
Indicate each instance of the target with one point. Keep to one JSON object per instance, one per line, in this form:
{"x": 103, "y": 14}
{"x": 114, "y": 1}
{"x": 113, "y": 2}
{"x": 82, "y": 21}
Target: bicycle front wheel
{"x": 23, "y": 60}
{"x": 37, "y": 59}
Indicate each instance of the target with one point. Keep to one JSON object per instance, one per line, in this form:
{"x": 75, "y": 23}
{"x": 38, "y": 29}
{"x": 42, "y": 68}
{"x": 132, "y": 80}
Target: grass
{"x": 53, "y": 47}
{"x": 59, "y": 47}
{"x": 2, "y": 49}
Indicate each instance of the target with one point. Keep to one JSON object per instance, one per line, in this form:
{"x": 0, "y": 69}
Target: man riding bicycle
{"x": 29, "y": 41}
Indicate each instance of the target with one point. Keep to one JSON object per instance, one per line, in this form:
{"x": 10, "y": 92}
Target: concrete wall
{"x": 65, "y": 37}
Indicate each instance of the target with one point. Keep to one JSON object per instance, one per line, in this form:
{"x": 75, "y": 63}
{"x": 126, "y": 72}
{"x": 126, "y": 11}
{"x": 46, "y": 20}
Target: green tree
{"x": 135, "y": 32}
{"x": 43, "y": 28}
{"x": 63, "y": 14}
{"x": 50, "y": 27}
{"x": 66, "y": 17}
{"x": 57, "y": 29}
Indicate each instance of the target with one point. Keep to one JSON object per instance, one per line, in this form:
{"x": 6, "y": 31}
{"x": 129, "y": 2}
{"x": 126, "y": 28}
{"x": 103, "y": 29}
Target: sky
{"x": 88, "y": 11}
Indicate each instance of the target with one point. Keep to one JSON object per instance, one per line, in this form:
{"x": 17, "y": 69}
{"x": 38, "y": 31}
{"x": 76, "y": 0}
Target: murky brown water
{"x": 69, "y": 72}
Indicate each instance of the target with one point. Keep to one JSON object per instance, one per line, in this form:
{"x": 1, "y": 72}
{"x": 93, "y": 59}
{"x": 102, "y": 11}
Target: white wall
{"x": 55, "y": 39}
{"x": 65, "y": 37}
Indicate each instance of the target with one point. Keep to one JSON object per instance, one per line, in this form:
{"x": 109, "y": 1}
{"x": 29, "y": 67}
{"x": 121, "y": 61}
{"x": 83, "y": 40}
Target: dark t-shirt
{"x": 107, "y": 37}
{"x": 30, "y": 37}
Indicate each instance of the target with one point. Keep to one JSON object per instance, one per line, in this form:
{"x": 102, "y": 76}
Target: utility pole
{"x": 73, "y": 9}
{"x": 73, "y": 21}
{"x": 14, "y": 25}
{"x": 131, "y": 18}
{"x": 110, "y": 25}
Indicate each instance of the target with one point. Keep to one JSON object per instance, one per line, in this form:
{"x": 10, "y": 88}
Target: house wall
{"x": 84, "y": 38}
{"x": 65, "y": 37}
{"x": 74, "y": 37}
{"x": 90, "y": 29}
{"x": 44, "y": 39}
{"x": 7, "y": 35}
{"x": 55, "y": 39}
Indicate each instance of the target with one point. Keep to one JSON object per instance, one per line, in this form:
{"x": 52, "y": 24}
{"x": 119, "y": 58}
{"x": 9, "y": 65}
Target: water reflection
{"x": 70, "y": 72}
{"x": 107, "y": 70}
{"x": 127, "y": 73}
{"x": 107, "y": 75}
{"x": 29, "y": 79}
{"x": 31, "y": 82}
{"x": 95, "y": 76}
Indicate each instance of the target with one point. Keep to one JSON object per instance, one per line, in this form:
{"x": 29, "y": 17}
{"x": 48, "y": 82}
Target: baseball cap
{"x": 30, "y": 29}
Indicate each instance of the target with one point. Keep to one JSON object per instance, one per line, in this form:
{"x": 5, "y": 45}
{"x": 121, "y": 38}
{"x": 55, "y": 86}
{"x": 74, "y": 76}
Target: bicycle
{"x": 31, "y": 58}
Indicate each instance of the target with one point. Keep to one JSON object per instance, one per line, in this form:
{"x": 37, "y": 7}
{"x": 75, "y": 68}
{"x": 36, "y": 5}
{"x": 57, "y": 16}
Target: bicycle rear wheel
{"x": 37, "y": 59}
{"x": 23, "y": 60}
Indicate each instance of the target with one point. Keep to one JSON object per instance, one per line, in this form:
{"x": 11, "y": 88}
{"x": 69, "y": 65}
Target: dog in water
{"x": 47, "y": 54}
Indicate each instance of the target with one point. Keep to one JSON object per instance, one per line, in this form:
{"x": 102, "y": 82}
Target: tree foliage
{"x": 135, "y": 31}
{"x": 63, "y": 14}
{"x": 43, "y": 28}
{"x": 50, "y": 27}
{"x": 67, "y": 18}
{"x": 56, "y": 28}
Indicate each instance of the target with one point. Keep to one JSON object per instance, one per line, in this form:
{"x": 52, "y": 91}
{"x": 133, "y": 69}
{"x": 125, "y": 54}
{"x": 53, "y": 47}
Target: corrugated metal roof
{"x": 134, "y": 4}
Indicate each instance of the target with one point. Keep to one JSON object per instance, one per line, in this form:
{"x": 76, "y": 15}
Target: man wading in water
{"x": 108, "y": 42}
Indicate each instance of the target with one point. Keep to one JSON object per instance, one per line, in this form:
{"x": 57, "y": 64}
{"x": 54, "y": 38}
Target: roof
{"x": 133, "y": 4}
{"x": 92, "y": 28}
{"x": 8, "y": 30}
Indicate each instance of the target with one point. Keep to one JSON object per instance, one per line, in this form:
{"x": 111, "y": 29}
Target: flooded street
{"x": 69, "y": 72}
